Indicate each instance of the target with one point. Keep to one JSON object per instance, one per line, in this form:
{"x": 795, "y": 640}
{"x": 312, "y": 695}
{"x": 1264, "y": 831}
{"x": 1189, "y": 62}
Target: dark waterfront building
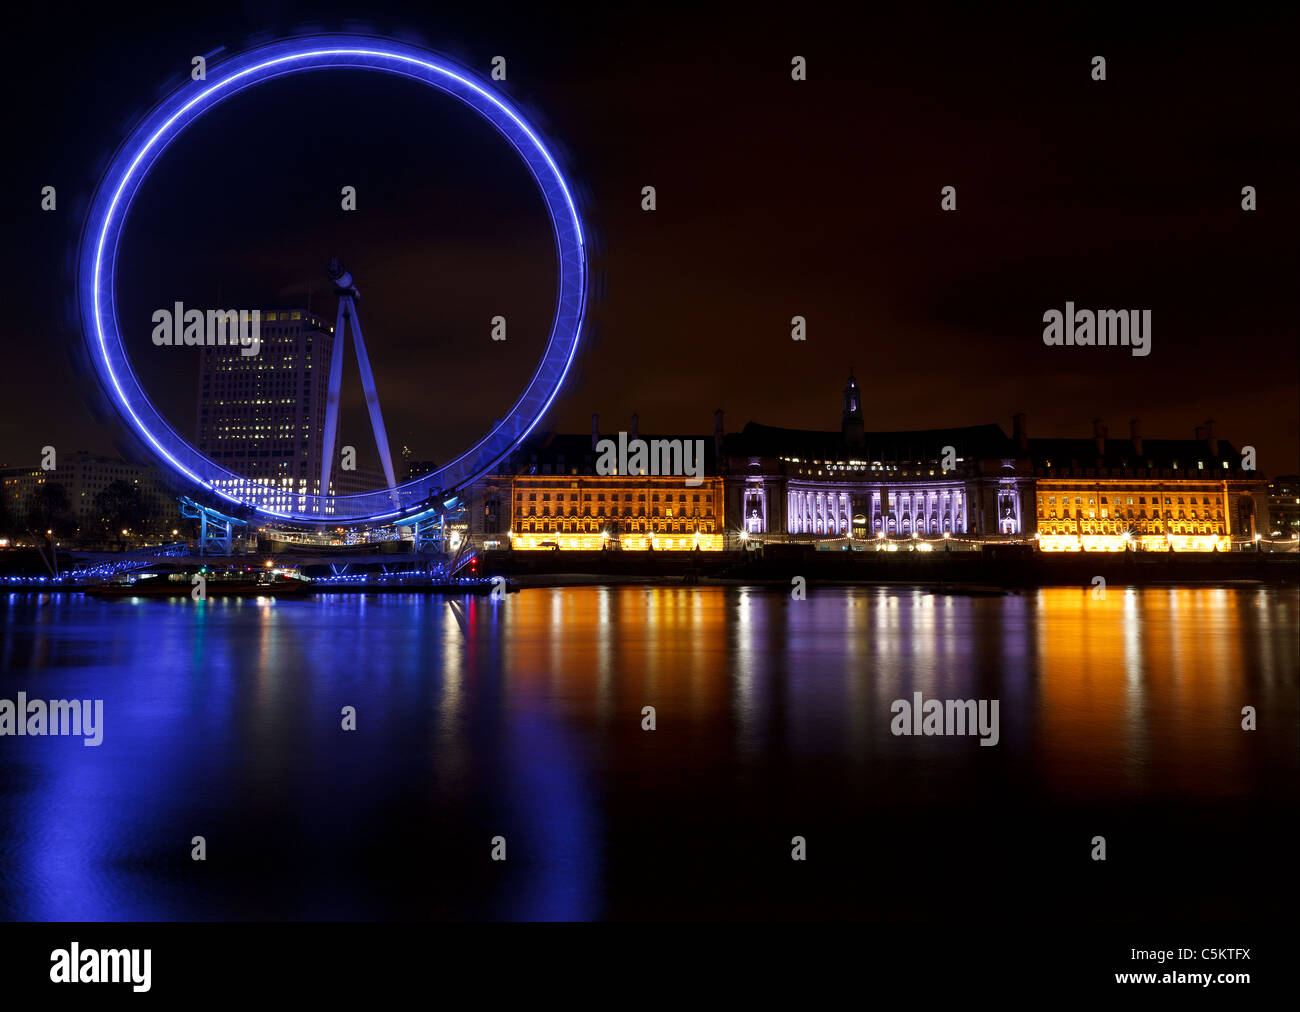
{"x": 418, "y": 468}
{"x": 83, "y": 477}
{"x": 1284, "y": 507}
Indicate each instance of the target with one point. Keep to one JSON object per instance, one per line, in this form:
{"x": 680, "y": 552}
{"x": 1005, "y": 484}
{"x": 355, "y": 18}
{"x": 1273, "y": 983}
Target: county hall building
{"x": 962, "y": 483}
{"x": 960, "y": 487}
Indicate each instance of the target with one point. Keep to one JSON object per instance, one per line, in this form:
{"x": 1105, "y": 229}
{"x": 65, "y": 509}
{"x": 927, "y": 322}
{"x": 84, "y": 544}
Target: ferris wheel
{"x": 139, "y": 154}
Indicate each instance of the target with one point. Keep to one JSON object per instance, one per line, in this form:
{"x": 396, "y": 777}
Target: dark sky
{"x": 776, "y": 198}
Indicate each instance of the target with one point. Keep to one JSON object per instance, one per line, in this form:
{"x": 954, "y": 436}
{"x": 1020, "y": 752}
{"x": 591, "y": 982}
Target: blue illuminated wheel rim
{"x": 111, "y": 205}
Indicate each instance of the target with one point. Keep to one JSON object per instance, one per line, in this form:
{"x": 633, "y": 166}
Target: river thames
{"x": 522, "y": 719}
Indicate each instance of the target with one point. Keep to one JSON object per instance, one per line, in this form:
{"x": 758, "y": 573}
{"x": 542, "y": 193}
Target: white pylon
{"x": 347, "y": 292}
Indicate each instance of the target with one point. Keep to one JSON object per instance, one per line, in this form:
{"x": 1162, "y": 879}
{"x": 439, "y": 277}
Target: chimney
{"x": 635, "y": 425}
{"x": 1020, "y": 430}
{"x": 1135, "y": 434}
{"x": 1212, "y": 438}
{"x": 1200, "y": 433}
{"x": 717, "y": 435}
{"x": 595, "y": 432}
{"x": 1099, "y": 436}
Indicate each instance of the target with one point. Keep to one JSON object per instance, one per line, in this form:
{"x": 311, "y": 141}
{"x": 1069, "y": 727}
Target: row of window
{"x": 533, "y": 511}
{"x": 600, "y": 497}
{"x": 1141, "y": 514}
{"x": 1074, "y": 471}
{"x": 1115, "y": 529}
{"x": 626, "y": 526}
{"x": 228, "y": 370}
{"x": 1122, "y": 501}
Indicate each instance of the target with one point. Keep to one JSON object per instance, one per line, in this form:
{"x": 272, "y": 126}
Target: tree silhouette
{"x": 50, "y": 510}
{"x": 120, "y": 506}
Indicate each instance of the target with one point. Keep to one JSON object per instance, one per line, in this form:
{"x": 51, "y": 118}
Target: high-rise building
{"x": 262, "y": 415}
{"x": 416, "y": 468}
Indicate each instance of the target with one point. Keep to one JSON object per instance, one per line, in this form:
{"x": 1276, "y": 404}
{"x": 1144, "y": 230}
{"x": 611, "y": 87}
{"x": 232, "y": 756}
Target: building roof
{"x": 561, "y": 453}
{"x": 1120, "y": 453}
{"x": 970, "y": 441}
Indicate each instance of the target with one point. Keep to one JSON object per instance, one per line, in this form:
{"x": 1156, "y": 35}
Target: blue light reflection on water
{"x": 223, "y": 720}
{"x": 223, "y": 712}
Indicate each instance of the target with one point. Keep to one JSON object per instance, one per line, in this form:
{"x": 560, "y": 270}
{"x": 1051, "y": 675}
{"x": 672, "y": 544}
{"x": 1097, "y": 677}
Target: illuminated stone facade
{"x": 1108, "y": 515}
{"x": 1152, "y": 495}
{"x": 964, "y": 486}
{"x": 592, "y": 512}
{"x": 555, "y": 499}
{"x": 923, "y": 484}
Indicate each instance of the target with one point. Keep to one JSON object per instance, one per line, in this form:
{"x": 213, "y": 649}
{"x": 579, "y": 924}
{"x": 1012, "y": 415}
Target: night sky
{"x": 775, "y": 198}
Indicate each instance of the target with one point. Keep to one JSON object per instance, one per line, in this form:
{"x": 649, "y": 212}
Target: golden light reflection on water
{"x": 1143, "y": 691}
{"x": 526, "y": 714}
{"x": 610, "y": 648}
{"x": 1138, "y": 693}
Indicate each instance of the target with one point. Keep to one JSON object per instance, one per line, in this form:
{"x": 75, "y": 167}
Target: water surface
{"x": 1119, "y": 717}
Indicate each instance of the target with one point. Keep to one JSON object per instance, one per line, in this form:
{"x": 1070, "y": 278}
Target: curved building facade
{"x": 972, "y": 481}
